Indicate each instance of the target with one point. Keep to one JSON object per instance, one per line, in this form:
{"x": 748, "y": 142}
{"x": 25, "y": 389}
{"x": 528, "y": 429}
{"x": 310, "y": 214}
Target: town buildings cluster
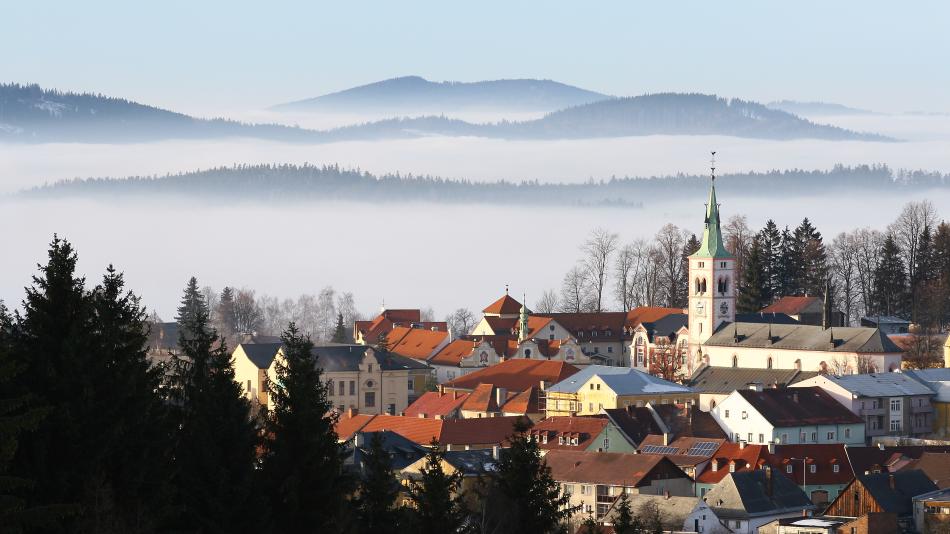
{"x": 782, "y": 421}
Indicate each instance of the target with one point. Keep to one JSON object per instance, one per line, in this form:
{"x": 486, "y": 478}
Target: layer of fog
{"x": 329, "y": 120}
{"x": 409, "y": 255}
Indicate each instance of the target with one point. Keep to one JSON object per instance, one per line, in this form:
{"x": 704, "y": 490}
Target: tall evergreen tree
{"x": 753, "y": 280}
{"x": 522, "y": 496}
{"x": 376, "y": 511}
{"x": 224, "y": 314}
{"x": 590, "y": 526}
{"x": 788, "y": 270}
{"x": 214, "y": 453}
{"x": 691, "y": 245}
{"x": 436, "y": 498}
{"x": 890, "y": 284}
{"x": 923, "y": 283}
{"x": 770, "y": 239}
{"x": 941, "y": 268}
{"x": 382, "y": 343}
{"x": 339, "y": 333}
{"x": 811, "y": 257}
{"x": 625, "y": 522}
{"x": 302, "y": 465}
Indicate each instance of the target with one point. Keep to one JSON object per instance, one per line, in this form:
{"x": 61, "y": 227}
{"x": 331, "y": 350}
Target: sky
{"x": 218, "y": 57}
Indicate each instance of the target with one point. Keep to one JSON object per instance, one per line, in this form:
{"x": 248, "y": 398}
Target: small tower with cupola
{"x": 712, "y": 281}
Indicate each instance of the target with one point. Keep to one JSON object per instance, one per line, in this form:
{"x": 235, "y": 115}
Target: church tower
{"x": 712, "y": 279}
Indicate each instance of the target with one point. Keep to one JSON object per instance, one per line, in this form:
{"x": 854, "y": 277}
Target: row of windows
{"x": 593, "y": 333}
{"x": 803, "y": 437}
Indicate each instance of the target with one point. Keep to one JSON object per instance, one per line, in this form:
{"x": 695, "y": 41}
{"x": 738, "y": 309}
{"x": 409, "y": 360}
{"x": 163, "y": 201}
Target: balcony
{"x": 927, "y": 408}
{"x": 874, "y": 411}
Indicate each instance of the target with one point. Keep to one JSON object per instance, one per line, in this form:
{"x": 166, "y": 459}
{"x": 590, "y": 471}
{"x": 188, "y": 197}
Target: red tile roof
{"x": 478, "y": 431}
{"x": 535, "y": 326}
{"x": 504, "y": 306}
{"x": 348, "y": 425}
{"x": 791, "y": 305}
{"x": 418, "y": 429}
{"x": 648, "y": 314}
{"x": 749, "y": 458}
{"x": 584, "y": 429}
{"x": 416, "y": 342}
{"x": 454, "y": 352}
{"x": 481, "y": 399}
{"x": 433, "y": 403}
{"x": 515, "y": 375}
{"x": 608, "y": 468}
{"x": 388, "y": 319}
{"x": 457, "y": 432}
{"x": 524, "y": 403}
{"x": 823, "y": 456}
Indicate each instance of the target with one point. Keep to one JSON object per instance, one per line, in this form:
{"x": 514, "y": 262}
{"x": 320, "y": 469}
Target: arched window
{"x": 702, "y": 286}
{"x": 768, "y": 363}
{"x": 696, "y": 292}
{"x": 735, "y": 361}
{"x": 723, "y": 285}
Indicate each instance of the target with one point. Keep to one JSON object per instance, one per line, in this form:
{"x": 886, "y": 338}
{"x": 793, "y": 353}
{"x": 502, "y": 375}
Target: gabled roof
{"x": 802, "y": 337}
{"x": 712, "y": 379}
{"x": 746, "y": 494}
{"x": 501, "y": 326}
{"x": 799, "y": 406}
{"x": 793, "y": 305}
{"x": 347, "y": 425}
{"x": 454, "y": 352}
{"x": 936, "y": 466}
{"x": 341, "y": 357}
{"x": 622, "y": 380}
{"x": 673, "y": 510}
{"x": 163, "y": 336}
{"x": 687, "y": 421}
{"x": 506, "y": 305}
{"x": 455, "y": 432}
{"x": 434, "y": 403}
{"x": 471, "y": 462}
{"x": 823, "y": 456}
{"x": 881, "y": 385}
{"x": 584, "y": 429}
{"x": 419, "y": 344}
{"x": 515, "y": 375}
{"x": 524, "y": 403}
{"x": 608, "y": 325}
{"x": 608, "y": 468}
{"x": 635, "y": 423}
{"x": 765, "y": 318}
{"x": 666, "y": 327}
{"x": 261, "y": 354}
{"x": 401, "y": 451}
{"x": 479, "y": 431}
{"x": 744, "y": 458}
{"x": 897, "y": 499}
{"x": 648, "y": 314}
{"x": 870, "y": 459}
{"x": 481, "y": 399}
{"x": 384, "y": 322}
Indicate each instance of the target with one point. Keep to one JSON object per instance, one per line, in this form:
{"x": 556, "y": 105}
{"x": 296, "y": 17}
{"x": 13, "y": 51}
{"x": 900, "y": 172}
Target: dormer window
{"x": 544, "y": 438}
{"x": 593, "y": 333}
{"x": 560, "y": 440}
{"x": 732, "y": 467}
{"x": 836, "y": 468}
{"x": 608, "y": 333}
{"x": 788, "y": 468}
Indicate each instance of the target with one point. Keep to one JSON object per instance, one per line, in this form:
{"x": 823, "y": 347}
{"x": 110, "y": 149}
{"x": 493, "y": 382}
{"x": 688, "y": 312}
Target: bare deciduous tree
{"x": 548, "y": 303}
{"x": 738, "y": 239}
{"x": 461, "y": 322}
{"x": 669, "y": 243}
{"x": 573, "y": 290}
{"x": 598, "y": 249}
{"x": 844, "y": 273}
{"x": 247, "y": 315}
{"x": 907, "y": 230}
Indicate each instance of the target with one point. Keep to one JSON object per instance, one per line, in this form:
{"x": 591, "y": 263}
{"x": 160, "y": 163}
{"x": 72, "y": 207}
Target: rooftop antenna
{"x": 506, "y": 289}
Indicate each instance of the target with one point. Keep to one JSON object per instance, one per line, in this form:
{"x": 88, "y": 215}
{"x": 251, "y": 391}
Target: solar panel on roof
{"x": 658, "y": 449}
{"x": 702, "y": 448}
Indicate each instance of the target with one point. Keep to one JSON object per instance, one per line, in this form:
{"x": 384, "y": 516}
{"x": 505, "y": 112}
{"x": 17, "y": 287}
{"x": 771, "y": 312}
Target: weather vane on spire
{"x": 712, "y": 165}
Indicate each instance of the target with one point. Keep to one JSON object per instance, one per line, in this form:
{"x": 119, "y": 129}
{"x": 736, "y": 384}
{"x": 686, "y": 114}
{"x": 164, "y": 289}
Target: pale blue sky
{"x": 204, "y": 56}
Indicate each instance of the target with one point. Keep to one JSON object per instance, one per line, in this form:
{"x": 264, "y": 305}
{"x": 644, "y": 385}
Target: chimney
{"x": 826, "y": 306}
{"x": 455, "y": 395}
{"x": 890, "y": 481}
{"x": 666, "y": 494}
{"x": 666, "y": 439}
{"x": 715, "y": 464}
{"x": 350, "y": 412}
{"x": 501, "y": 395}
{"x": 768, "y": 481}
{"x": 542, "y": 385}
{"x": 441, "y": 389}
{"x": 771, "y": 447}
{"x": 741, "y": 444}
{"x": 495, "y": 451}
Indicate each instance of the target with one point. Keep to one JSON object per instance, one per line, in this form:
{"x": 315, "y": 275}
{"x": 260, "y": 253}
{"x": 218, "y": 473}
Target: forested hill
{"x": 817, "y": 108}
{"x": 32, "y": 114}
{"x": 658, "y": 114}
{"x": 29, "y": 113}
{"x": 309, "y": 183}
{"x": 413, "y": 94}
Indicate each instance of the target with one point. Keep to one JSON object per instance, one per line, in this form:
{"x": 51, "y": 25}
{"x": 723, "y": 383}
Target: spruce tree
{"x": 770, "y": 240}
{"x": 923, "y": 284}
{"x": 624, "y": 522}
{"x": 382, "y": 343}
{"x": 590, "y": 526}
{"x": 788, "y": 266}
{"x": 339, "y": 333}
{"x": 376, "y": 511}
{"x": 522, "y": 496}
{"x": 753, "y": 280}
{"x": 214, "y": 453}
{"x": 227, "y": 323}
{"x": 302, "y": 465}
{"x": 682, "y": 290}
{"x": 890, "y": 284}
{"x": 811, "y": 257}
{"x": 437, "y": 504}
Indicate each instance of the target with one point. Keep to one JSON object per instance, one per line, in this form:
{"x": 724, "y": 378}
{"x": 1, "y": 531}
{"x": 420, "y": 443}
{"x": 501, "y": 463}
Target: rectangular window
{"x": 701, "y": 265}
{"x": 803, "y": 437}
{"x": 411, "y": 385}
{"x": 831, "y": 436}
{"x": 784, "y": 437}
{"x": 847, "y": 432}
{"x": 568, "y": 489}
{"x": 745, "y": 415}
{"x": 895, "y": 405}
{"x": 814, "y": 437}
{"x": 590, "y": 406}
{"x": 836, "y": 468}
{"x": 248, "y": 386}
{"x": 727, "y": 414}
{"x": 342, "y": 388}
{"x": 895, "y": 426}
{"x": 598, "y": 387}
{"x": 750, "y": 438}
{"x": 610, "y": 350}
{"x": 585, "y": 489}
{"x": 812, "y": 468}
{"x": 369, "y": 399}
{"x": 761, "y": 438}
{"x": 369, "y": 368}
{"x": 606, "y": 443}
{"x": 788, "y": 468}
{"x": 391, "y": 409}
{"x": 352, "y": 387}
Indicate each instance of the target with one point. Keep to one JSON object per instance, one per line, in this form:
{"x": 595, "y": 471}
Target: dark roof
{"x": 907, "y": 485}
{"x": 728, "y": 379}
{"x": 802, "y": 337}
{"x": 799, "y": 406}
{"x": 871, "y": 459}
{"x": 588, "y": 322}
{"x": 635, "y": 423}
{"x": 402, "y": 451}
{"x": 163, "y": 336}
{"x": 261, "y": 354}
{"x": 744, "y": 494}
{"x": 936, "y": 465}
{"x": 765, "y": 317}
{"x": 689, "y": 421}
{"x": 666, "y": 326}
{"x": 471, "y": 462}
{"x": 341, "y": 357}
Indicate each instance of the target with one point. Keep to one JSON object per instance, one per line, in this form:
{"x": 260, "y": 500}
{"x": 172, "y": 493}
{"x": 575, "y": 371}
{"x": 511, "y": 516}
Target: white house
{"x": 787, "y": 416}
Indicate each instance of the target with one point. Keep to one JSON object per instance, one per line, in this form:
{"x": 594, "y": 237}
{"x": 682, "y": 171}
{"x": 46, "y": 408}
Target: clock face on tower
{"x": 723, "y": 308}
{"x": 700, "y": 309}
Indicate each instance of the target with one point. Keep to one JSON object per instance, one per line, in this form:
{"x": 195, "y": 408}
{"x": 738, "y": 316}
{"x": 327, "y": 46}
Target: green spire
{"x": 712, "y": 245}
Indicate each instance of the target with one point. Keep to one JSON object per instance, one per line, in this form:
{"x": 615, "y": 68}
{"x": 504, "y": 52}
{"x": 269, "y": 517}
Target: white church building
{"x": 717, "y": 339}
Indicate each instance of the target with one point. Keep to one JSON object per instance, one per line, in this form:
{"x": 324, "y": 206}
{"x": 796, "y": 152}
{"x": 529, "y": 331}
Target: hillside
{"x": 29, "y": 113}
{"x": 414, "y": 95}
{"x": 817, "y": 109}
{"x": 657, "y": 114}
{"x": 309, "y": 183}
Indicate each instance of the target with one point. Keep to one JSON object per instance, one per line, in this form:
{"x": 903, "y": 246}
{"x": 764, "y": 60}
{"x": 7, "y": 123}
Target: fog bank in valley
{"x": 411, "y": 255}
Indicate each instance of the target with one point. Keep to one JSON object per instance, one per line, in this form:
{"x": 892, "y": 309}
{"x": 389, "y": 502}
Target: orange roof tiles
{"x": 583, "y": 324}
{"x": 348, "y": 425}
{"x": 416, "y": 342}
{"x": 433, "y": 403}
{"x": 516, "y": 375}
{"x": 585, "y": 429}
{"x": 648, "y": 314}
{"x": 823, "y": 456}
{"x": 608, "y": 468}
{"x": 524, "y": 403}
{"x": 418, "y": 429}
{"x": 791, "y": 305}
{"x": 478, "y": 431}
{"x": 749, "y": 458}
{"x": 504, "y": 306}
{"x": 388, "y": 319}
{"x": 481, "y": 399}
{"x": 454, "y": 352}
